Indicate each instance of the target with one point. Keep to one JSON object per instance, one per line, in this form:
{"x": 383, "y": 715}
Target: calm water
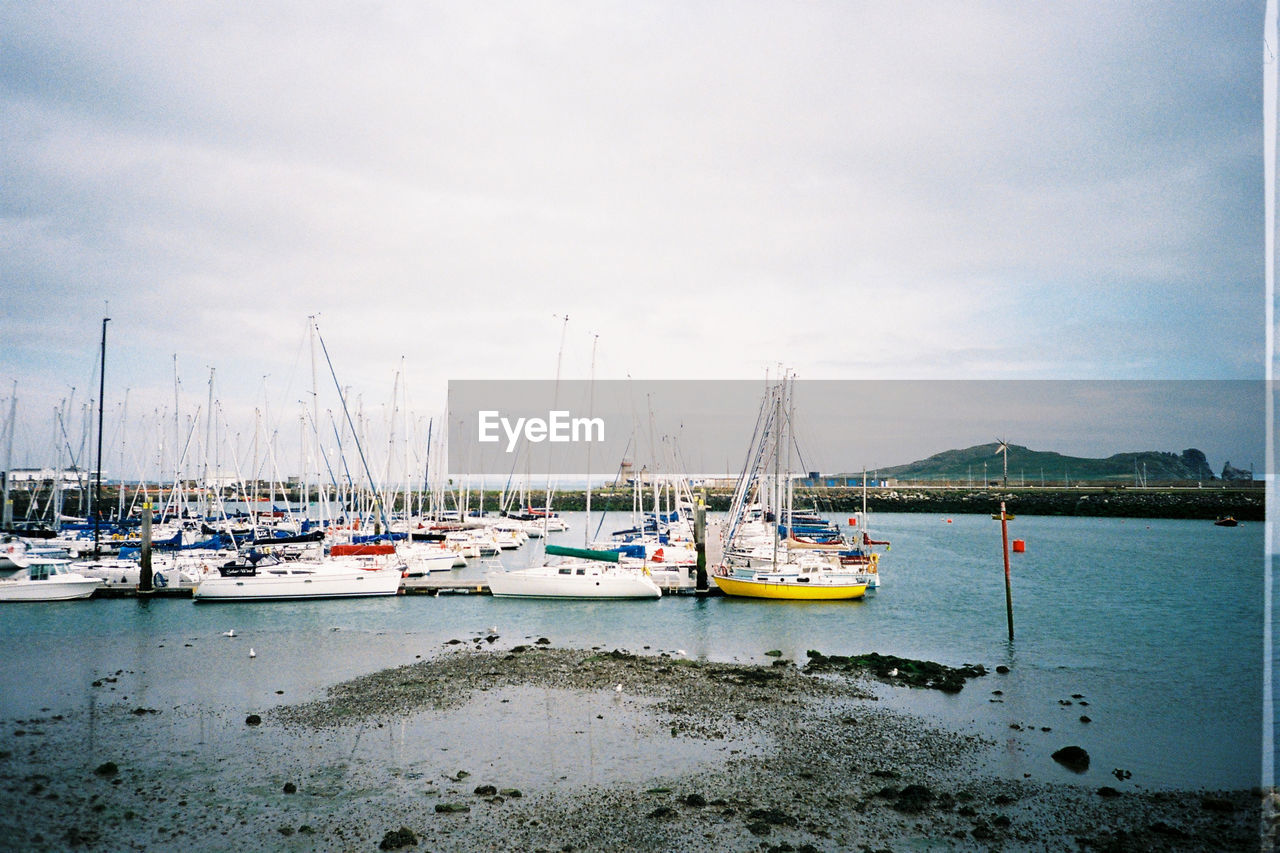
{"x": 1156, "y": 624}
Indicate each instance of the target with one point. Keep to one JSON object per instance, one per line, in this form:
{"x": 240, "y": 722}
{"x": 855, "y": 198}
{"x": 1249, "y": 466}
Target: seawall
{"x": 1244, "y": 504}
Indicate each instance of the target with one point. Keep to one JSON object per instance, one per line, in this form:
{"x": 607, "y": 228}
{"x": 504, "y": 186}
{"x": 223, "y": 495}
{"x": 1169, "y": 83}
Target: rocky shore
{"x": 487, "y": 745}
{"x": 831, "y": 770}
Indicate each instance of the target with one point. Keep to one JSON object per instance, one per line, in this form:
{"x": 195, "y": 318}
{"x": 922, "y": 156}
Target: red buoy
{"x": 1019, "y": 546}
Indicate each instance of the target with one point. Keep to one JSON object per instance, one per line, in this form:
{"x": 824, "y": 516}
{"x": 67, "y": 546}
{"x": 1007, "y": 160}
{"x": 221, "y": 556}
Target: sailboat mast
{"x": 426, "y": 470}
{"x": 777, "y": 462}
{"x": 322, "y": 497}
{"x": 97, "y": 491}
{"x": 791, "y": 427}
{"x": 408, "y": 471}
{"x": 305, "y": 491}
{"x": 377, "y": 500}
{"x": 206, "y": 503}
{"x": 8, "y": 457}
{"x": 177, "y": 441}
{"x": 555, "y": 402}
{"x": 591, "y": 410}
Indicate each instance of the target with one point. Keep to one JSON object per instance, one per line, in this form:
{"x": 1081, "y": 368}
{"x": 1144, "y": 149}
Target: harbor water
{"x": 1151, "y": 629}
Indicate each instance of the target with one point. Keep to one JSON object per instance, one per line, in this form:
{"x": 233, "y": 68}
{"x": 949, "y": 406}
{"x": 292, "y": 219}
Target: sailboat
{"x": 759, "y": 562}
{"x": 581, "y": 572}
{"x": 267, "y": 577}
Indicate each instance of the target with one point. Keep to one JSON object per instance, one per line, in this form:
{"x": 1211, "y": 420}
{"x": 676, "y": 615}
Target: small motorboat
{"x": 1226, "y": 521}
{"x": 47, "y": 580}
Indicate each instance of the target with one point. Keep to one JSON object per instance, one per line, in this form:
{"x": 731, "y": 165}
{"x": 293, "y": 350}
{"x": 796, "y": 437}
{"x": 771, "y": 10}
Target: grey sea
{"x": 1151, "y": 629}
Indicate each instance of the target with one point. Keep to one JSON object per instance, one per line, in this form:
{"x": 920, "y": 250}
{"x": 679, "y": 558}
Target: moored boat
{"x": 268, "y": 578}
{"x": 794, "y": 585}
{"x": 421, "y": 558}
{"x": 47, "y": 580}
{"x": 804, "y": 557}
{"x": 584, "y": 574}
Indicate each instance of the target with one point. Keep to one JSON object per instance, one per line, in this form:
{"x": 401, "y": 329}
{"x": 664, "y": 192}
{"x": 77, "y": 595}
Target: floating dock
{"x": 439, "y": 584}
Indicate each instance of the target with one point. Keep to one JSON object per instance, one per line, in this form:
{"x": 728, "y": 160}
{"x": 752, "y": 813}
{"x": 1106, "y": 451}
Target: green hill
{"x": 961, "y": 466}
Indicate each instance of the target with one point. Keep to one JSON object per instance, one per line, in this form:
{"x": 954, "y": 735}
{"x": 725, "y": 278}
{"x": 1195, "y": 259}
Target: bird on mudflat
{"x": 230, "y": 633}
{"x": 252, "y": 653}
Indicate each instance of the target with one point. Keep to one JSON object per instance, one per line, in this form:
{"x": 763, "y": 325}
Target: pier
{"x": 439, "y": 584}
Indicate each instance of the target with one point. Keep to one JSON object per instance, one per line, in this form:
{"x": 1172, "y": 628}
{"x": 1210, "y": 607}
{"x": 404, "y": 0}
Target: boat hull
{"x": 417, "y": 565}
{"x": 62, "y": 589}
{"x": 790, "y": 588}
{"x": 607, "y": 585}
{"x": 355, "y": 584}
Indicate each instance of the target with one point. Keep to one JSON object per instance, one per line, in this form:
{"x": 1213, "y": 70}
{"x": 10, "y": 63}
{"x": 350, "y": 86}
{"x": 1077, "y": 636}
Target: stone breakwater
{"x": 1208, "y": 503}
{"x": 1244, "y": 505}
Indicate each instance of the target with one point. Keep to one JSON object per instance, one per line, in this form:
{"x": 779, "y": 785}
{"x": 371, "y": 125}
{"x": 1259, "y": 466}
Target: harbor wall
{"x": 1246, "y": 504}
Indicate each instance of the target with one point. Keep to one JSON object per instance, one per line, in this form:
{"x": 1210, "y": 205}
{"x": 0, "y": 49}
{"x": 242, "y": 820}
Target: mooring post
{"x": 700, "y": 542}
{"x": 144, "y": 574}
{"x": 1008, "y": 589}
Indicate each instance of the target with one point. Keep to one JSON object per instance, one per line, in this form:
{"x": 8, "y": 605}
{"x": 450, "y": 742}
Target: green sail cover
{"x": 583, "y": 553}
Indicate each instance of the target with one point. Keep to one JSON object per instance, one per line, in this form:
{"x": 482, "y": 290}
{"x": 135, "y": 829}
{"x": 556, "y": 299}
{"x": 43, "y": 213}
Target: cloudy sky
{"x": 849, "y": 189}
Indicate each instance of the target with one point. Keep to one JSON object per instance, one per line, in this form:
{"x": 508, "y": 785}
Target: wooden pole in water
{"x": 144, "y": 574}
{"x": 700, "y": 542}
{"x": 1008, "y": 589}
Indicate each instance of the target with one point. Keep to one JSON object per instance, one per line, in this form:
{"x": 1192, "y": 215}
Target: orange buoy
{"x": 1019, "y": 546}
{"x": 853, "y": 521}
{"x": 948, "y": 521}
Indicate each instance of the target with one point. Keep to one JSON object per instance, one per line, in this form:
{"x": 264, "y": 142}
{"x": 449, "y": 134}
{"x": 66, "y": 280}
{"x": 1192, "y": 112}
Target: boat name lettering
{"x": 558, "y": 426}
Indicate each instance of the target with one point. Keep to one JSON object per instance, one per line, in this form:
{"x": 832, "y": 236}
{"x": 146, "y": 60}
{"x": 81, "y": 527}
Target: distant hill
{"x": 959, "y": 466}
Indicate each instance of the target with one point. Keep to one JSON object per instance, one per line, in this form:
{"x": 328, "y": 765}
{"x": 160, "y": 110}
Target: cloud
{"x": 852, "y": 190}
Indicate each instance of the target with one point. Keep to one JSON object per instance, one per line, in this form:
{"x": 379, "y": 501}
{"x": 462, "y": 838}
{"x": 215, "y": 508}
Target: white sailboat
{"x": 268, "y": 578}
{"x": 422, "y": 558}
{"x": 576, "y": 579}
{"x": 581, "y": 573}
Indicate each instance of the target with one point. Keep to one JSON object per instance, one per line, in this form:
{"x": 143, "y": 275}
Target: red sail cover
{"x": 360, "y": 550}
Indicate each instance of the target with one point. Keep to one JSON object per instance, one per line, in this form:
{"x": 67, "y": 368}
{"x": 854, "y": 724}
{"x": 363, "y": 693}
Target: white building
{"x": 29, "y": 479}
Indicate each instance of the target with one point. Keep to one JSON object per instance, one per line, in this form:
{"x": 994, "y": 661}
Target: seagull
{"x": 252, "y": 653}
{"x": 893, "y": 673}
{"x": 618, "y": 689}
{"x": 493, "y": 629}
{"x": 681, "y": 652}
{"x": 230, "y": 633}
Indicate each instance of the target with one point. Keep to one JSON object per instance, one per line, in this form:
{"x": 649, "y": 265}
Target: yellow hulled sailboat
{"x": 791, "y": 586}
{"x": 758, "y": 562}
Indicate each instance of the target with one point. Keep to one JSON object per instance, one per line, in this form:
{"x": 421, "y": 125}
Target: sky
{"x": 710, "y": 190}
